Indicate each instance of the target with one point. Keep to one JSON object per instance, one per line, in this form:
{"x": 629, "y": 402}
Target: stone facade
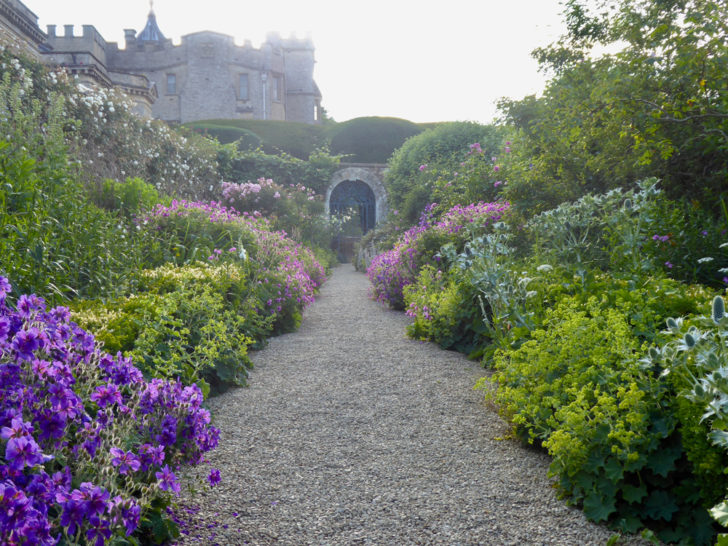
{"x": 206, "y": 76}
{"x": 87, "y": 58}
{"x": 19, "y": 28}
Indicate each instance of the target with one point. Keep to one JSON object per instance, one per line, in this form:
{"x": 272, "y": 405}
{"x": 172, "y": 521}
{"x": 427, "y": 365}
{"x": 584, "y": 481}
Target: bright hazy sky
{"x": 439, "y": 60}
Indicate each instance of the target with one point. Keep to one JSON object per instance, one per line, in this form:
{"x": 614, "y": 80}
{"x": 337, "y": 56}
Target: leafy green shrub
{"x": 189, "y": 323}
{"x": 244, "y": 139}
{"x": 423, "y": 158}
{"x": 655, "y": 108}
{"x": 441, "y": 305}
{"x": 130, "y": 198}
{"x": 695, "y": 358}
{"x": 284, "y": 274}
{"x": 52, "y": 241}
{"x": 247, "y": 166}
{"x": 299, "y": 140}
{"x": 371, "y": 139}
{"x": 577, "y": 387}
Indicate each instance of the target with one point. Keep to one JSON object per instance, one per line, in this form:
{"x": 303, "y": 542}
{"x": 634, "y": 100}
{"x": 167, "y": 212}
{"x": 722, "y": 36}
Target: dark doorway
{"x": 358, "y": 196}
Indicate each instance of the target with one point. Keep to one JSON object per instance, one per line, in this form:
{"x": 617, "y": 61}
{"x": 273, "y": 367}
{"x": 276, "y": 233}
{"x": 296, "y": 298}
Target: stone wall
{"x": 19, "y": 28}
{"x": 206, "y": 68}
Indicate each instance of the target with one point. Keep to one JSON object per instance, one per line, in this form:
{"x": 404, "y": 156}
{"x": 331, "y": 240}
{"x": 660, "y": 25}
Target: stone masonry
{"x": 205, "y": 77}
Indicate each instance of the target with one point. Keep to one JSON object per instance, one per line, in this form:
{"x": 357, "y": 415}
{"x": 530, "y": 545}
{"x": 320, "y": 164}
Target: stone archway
{"x": 353, "y": 176}
{"x": 356, "y": 195}
{"x": 359, "y": 186}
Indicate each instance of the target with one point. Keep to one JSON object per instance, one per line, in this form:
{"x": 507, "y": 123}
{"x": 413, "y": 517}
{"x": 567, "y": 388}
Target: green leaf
{"x": 631, "y": 494}
{"x": 660, "y": 505}
{"x": 597, "y": 508}
{"x": 662, "y": 462}
{"x": 613, "y": 470}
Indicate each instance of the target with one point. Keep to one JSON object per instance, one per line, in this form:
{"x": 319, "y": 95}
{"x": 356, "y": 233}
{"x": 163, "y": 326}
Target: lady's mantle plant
{"x": 88, "y": 448}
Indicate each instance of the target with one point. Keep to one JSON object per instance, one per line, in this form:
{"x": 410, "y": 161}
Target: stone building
{"x": 206, "y": 76}
{"x": 19, "y": 28}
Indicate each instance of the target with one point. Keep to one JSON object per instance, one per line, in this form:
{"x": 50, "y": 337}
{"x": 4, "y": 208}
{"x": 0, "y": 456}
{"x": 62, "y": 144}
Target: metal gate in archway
{"x": 357, "y": 196}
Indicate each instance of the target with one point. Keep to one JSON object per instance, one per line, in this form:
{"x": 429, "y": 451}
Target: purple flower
{"x": 99, "y": 531}
{"x": 26, "y": 342}
{"x": 496, "y": 168}
{"x": 497, "y": 183}
{"x": 668, "y": 265}
{"x": 22, "y": 452}
{"x": 27, "y": 304}
{"x": 17, "y": 429}
{"x": 151, "y": 456}
{"x": 106, "y": 395}
{"x": 124, "y": 460}
{"x": 423, "y": 167}
{"x": 167, "y": 480}
{"x": 73, "y": 515}
{"x": 5, "y": 288}
{"x": 214, "y": 477}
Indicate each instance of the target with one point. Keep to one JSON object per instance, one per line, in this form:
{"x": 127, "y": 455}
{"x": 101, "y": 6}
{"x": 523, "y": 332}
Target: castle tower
{"x": 151, "y": 32}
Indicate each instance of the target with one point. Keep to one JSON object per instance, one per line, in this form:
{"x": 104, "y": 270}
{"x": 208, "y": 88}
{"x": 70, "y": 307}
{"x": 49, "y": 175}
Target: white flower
{"x": 724, "y": 245}
{"x": 705, "y": 260}
{"x": 544, "y": 268}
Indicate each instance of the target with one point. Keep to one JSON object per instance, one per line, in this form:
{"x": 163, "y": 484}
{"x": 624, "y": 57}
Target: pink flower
{"x": 496, "y": 168}
{"x": 422, "y": 167}
{"x": 497, "y": 183}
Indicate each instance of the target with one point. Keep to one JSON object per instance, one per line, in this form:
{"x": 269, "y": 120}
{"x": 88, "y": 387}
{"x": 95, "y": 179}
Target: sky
{"x": 425, "y": 61}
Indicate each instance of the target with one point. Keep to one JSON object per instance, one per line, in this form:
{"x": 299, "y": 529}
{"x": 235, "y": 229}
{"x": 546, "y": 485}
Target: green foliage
{"x": 370, "y": 139}
{"x": 244, "y": 139}
{"x": 577, "y": 387}
{"x": 634, "y": 232}
{"x": 52, "y": 241}
{"x": 244, "y": 166}
{"x": 299, "y": 140}
{"x": 442, "y": 311}
{"x": 440, "y": 151}
{"x": 695, "y": 359}
{"x": 655, "y": 108}
{"x": 130, "y": 198}
{"x": 194, "y": 323}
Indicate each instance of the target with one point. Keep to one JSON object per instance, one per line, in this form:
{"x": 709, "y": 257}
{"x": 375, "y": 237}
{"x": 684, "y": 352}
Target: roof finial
{"x": 151, "y": 6}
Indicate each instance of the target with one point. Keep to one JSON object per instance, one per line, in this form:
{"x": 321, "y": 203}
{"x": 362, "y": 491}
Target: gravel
{"x": 351, "y": 433}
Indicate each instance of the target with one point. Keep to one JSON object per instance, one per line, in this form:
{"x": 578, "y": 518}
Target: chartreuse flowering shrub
{"x": 231, "y": 282}
{"x": 391, "y": 271}
{"x": 576, "y": 385}
{"x": 89, "y": 450}
{"x": 186, "y": 322}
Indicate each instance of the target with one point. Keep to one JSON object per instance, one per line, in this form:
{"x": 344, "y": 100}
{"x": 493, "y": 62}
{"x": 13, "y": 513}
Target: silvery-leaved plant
{"x": 699, "y": 353}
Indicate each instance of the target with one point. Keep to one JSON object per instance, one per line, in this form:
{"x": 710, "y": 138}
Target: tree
{"x": 657, "y": 107}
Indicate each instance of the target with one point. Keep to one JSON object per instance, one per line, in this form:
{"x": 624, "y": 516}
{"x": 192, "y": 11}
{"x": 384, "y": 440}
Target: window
{"x": 243, "y": 87}
{"x": 277, "y": 88}
{"x": 171, "y": 84}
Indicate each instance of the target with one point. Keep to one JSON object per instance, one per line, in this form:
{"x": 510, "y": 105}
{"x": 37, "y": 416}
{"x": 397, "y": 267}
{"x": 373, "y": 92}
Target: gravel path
{"x": 350, "y": 433}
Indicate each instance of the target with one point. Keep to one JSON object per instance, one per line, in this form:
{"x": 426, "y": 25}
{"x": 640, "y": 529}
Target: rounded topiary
{"x": 371, "y": 139}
